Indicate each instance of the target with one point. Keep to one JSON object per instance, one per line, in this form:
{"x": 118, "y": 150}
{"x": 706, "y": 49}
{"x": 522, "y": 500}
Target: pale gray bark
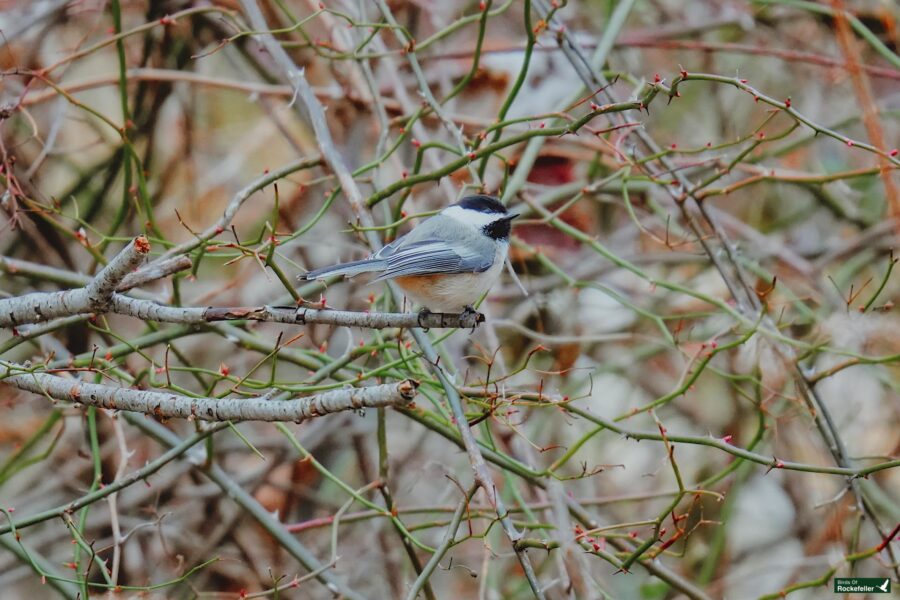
{"x": 151, "y": 311}
{"x": 98, "y": 296}
{"x": 168, "y": 405}
{"x": 93, "y": 297}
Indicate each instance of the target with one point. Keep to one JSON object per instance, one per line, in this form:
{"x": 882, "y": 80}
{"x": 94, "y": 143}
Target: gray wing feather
{"x": 424, "y": 251}
{"x": 428, "y": 257}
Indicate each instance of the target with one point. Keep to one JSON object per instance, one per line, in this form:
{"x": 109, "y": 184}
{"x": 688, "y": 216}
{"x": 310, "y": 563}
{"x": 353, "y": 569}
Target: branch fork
{"x": 99, "y": 295}
{"x": 96, "y": 296}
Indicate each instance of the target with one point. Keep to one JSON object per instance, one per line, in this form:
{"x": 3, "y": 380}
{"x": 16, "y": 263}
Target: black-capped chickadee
{"x": 447, "y": 262}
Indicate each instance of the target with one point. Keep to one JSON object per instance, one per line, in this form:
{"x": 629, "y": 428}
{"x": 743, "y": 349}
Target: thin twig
{"x": 442, "y": 549}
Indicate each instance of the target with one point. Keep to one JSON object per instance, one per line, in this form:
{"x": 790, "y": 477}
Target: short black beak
{"x": 511, "y": 217}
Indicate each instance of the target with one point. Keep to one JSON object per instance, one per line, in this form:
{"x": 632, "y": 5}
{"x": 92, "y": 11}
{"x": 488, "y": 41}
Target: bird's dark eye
{"x": 498, "y": 230}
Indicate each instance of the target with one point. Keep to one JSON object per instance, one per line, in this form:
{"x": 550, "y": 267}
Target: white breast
{"x": 452, "y": 293}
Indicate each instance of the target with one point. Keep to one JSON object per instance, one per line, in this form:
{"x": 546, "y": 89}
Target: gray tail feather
{"x": 366, "y": 265}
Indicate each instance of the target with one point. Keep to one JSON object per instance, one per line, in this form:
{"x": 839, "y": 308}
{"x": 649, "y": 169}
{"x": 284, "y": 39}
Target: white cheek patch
{"x": 471, "y": 217}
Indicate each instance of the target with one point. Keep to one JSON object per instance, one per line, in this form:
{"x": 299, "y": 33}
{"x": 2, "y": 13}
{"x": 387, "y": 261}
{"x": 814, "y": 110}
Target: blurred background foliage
{"x": 707, "y": 349}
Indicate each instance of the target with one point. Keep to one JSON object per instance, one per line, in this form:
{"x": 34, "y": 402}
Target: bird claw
{"x": 423, "y": 314}
{"x": 467, "y": 312}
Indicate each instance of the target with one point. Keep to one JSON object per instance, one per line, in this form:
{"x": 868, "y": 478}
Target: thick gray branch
{"x": 37, "y": 307}
{"x": 167, "y": 405}
{"x": 151, "y": 311}
{"x": 94, "y": 297}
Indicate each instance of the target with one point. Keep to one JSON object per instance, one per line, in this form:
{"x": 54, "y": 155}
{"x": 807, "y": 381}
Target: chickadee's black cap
{"x": 482, "y": 203}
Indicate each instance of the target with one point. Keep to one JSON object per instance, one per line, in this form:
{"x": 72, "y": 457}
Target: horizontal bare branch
{"x": 152, "y": 311}
{"x": 43, "y": 306}
{"x": 167, "y": 405}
